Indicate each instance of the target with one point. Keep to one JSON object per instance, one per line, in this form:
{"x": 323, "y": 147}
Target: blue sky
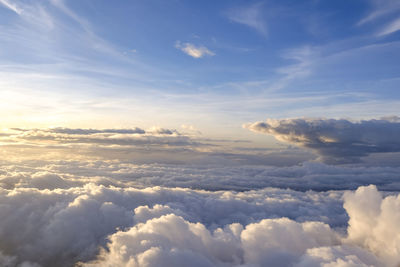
{"x": 214, "y": 65}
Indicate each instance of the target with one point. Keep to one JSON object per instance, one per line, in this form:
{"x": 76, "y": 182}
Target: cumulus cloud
{"x": 338, "y": 256}
{"x": 336, "y": 141}
{"x": 374, "y": 227}
{"x": 50, "y": 222}
{"x": 193, "y": 50}
{"x": 89, "y": 212}
{"x": 63, "y": 226}
{"x": 171, "y": 240}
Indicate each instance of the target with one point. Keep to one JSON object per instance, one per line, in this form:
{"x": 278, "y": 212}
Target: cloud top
{"x": 175, "y": 227}
{"x": 111, "y": 213}
{"x": 336, "y": 141}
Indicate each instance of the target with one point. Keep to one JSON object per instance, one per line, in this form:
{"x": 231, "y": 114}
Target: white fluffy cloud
{"x": 171, "y": 240}
{"x": 193, "y": 50}
{"x": 148, "y": 226}
{"x": 338, "y": 256}
{"x": 65, "y": 225}
{"x": 336, "y": 141}
{"x": 376, "y": 227}
{"x": 99, "y": 212}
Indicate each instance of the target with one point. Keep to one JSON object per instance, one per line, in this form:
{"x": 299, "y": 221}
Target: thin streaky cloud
{"x": 250, "y": 16}
{"x": 39, "y": 17}
{"x": 34, "y": 14}
{"x": 304, "y": 58}
{"x": 60, "y": 4}
{"x": 96, "y": 41}
{"x": 391, "y": 28}
{"x": 11, "y": 6}
{"x": 381, "y": 8}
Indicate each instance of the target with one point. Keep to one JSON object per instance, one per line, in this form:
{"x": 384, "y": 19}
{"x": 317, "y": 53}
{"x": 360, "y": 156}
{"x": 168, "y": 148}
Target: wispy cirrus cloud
{"x": 193, "y": 50}
{"x": 250, "y": 16}
{"x": 383, "y": 9}
{"x": 12, "y": 6}
{"x": 32, "y": 15}
{"x": 380, "y": 8}
{"x": 394, "y": 26}
{"x": 304, "y": 58}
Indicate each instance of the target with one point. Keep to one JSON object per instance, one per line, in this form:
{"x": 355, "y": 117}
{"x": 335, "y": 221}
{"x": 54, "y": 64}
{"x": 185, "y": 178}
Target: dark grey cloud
{"x": 163, "y": 131}
{"x": 135, "y": 130}
{"x": 79, "y": 131}
{"x": 336, "y": 141}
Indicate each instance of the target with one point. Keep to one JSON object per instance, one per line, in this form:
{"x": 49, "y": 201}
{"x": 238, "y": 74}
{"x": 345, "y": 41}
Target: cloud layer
{"x": 103, "y": 212}
{"x": 336, "y": 141}
{"x": 367, "y": 143}
{"x": 315, "y": 176}
{"x": 153, "y": 145}
{"x": 97, "y": 142}
{"x": 179, "y": 226}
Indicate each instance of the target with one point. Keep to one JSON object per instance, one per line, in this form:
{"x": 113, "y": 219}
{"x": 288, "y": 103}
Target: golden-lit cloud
{"x": 193, "y": 50}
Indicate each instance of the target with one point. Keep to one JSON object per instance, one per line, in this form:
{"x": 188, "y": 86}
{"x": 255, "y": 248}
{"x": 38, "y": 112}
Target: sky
{"x": 211, "y": 65}
{"x": 202, "y": 133}
{"x": 204, "y": 68}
